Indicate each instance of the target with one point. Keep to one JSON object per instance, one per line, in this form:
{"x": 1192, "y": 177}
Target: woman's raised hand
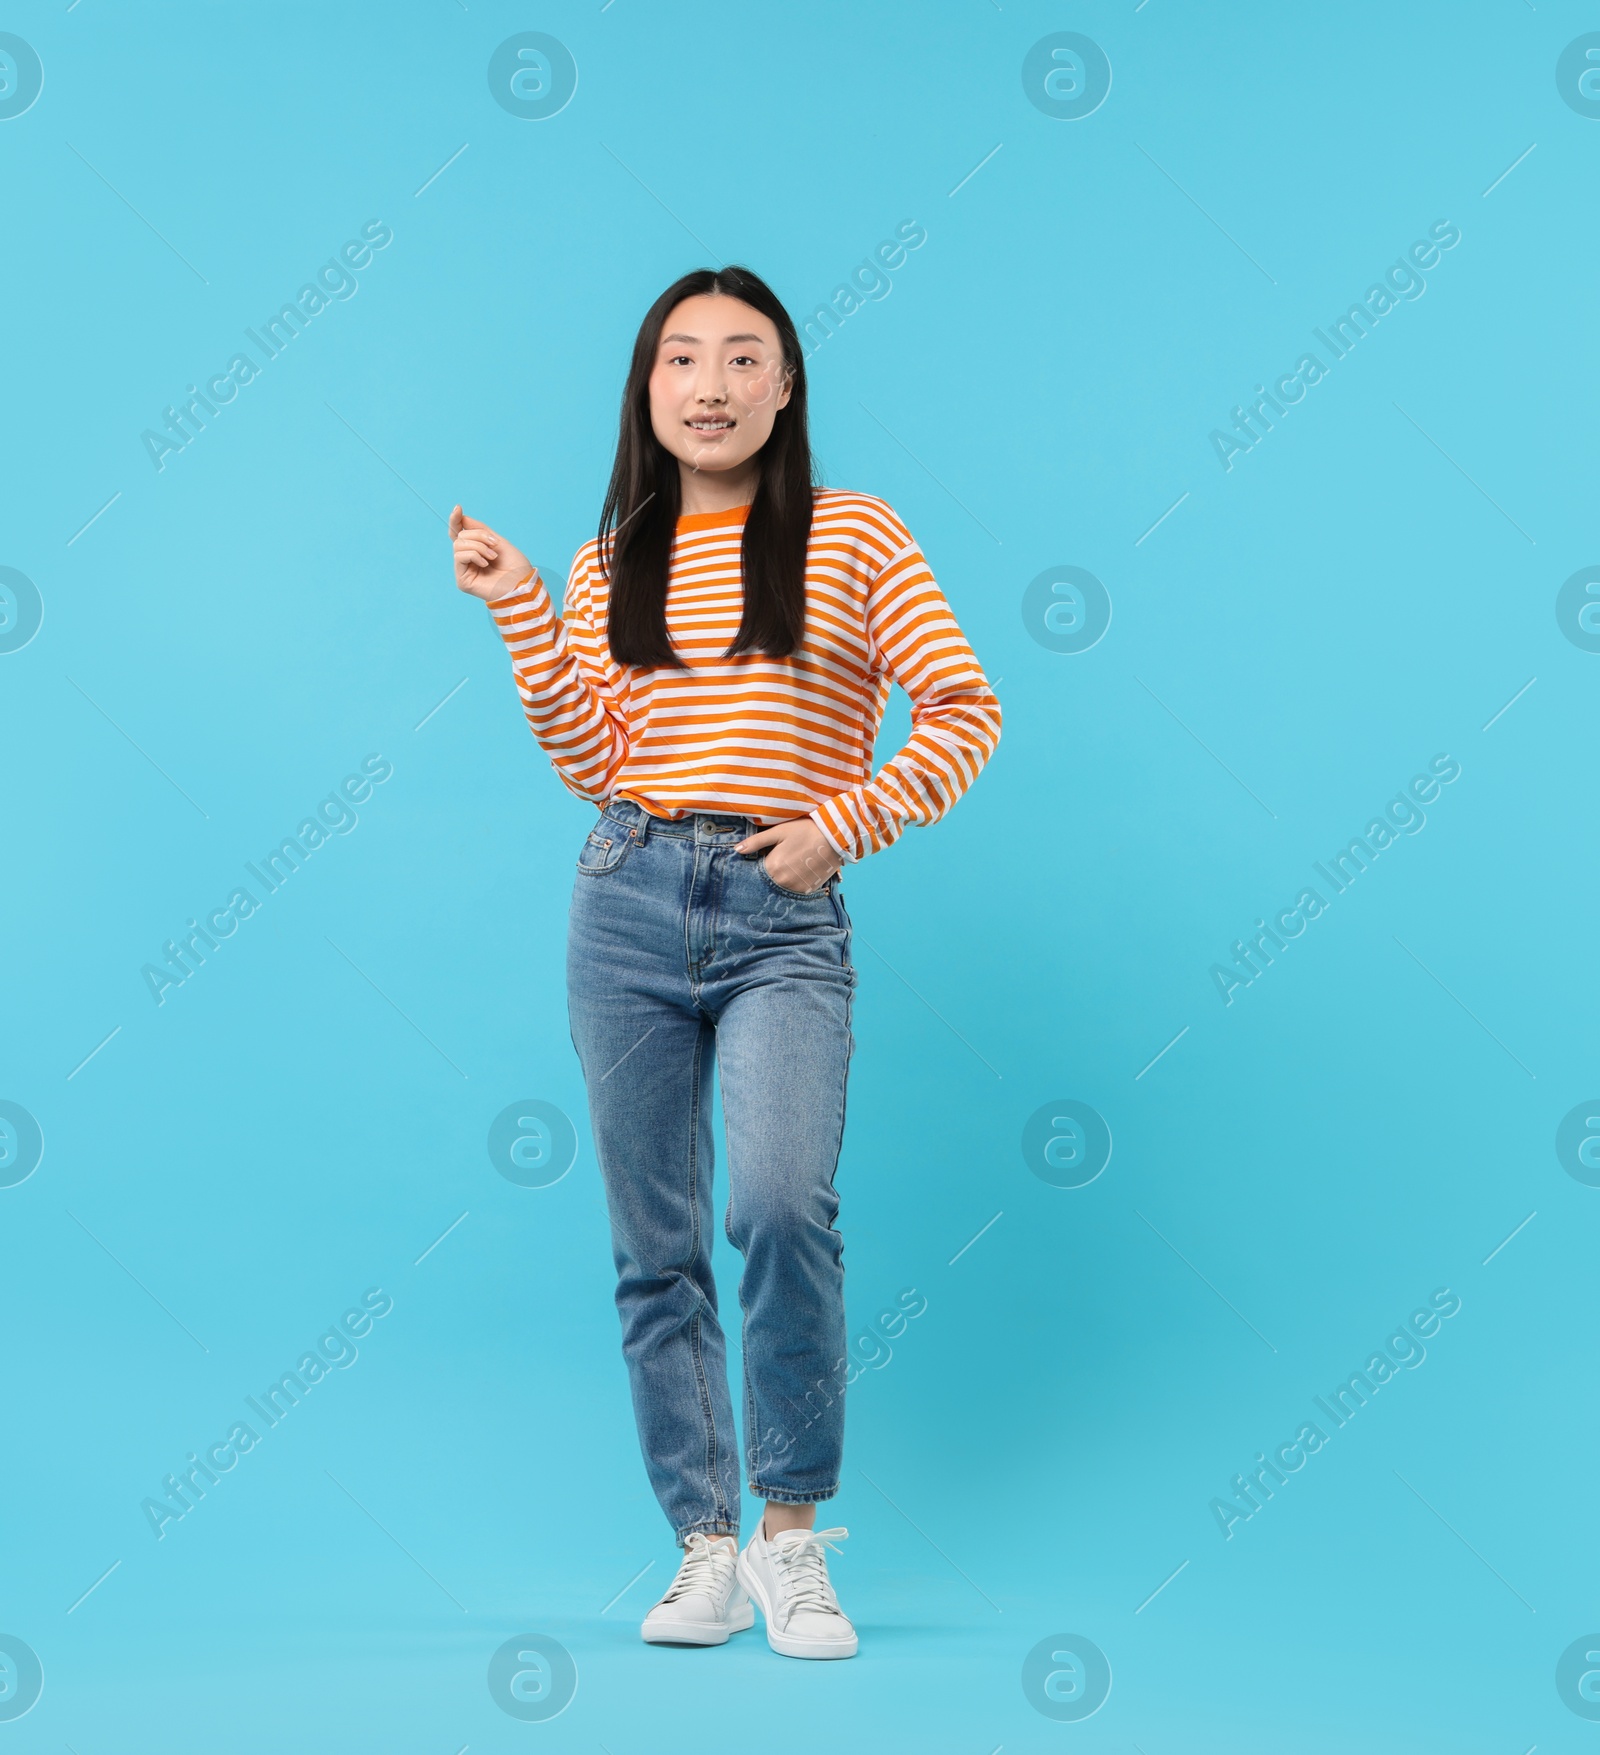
{"x": 486, "y": 565}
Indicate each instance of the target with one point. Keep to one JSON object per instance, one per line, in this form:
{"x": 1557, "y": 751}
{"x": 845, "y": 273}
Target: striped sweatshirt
{"x": 768, "y": 738}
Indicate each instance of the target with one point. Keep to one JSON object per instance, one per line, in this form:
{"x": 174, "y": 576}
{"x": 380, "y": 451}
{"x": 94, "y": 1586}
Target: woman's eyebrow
{"x": 726, "y": 340}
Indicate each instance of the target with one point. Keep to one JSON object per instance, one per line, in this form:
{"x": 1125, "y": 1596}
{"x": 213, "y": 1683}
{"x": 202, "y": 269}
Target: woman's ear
{"x": 787, "y": 388}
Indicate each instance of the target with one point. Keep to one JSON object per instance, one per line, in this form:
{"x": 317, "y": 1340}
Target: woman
{"x": 714, "y": 683}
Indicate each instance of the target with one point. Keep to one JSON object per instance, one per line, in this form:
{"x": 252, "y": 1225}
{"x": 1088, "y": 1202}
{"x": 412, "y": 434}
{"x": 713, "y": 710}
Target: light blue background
{"x": 294, "y": 1125}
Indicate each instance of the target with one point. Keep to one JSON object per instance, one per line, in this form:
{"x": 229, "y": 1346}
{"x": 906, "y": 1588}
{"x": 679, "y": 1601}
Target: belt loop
{"x": 637, "y": 819}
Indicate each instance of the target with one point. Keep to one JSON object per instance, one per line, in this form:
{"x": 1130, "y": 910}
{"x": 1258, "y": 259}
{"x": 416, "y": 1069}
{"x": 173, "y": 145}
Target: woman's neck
{"x": 722, "y": 490}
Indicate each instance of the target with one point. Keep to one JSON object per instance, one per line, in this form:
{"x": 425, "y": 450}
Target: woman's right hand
{"x": 487, "y": 565}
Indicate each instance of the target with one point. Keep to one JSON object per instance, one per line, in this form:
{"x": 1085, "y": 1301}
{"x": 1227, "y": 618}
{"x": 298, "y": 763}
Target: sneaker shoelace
{"x": 800, "y": 1560}
{"x": 706, "y": 1569}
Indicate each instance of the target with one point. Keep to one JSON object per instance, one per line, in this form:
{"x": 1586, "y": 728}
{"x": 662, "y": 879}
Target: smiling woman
{"x": 715, "y": 683}
{"x": 688, "y": 443}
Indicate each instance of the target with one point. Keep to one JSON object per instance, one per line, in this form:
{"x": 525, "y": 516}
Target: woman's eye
{"x": 743, "y": 359}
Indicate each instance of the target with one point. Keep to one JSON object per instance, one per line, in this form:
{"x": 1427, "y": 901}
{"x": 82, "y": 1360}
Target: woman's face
{"x": 718, "y": 382}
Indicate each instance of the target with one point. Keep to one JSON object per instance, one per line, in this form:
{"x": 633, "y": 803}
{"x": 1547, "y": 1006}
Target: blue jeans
{"x": 682, "y": 952}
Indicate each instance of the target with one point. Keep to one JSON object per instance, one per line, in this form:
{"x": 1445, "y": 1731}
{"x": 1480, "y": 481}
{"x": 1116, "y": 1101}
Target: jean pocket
{"x": 797, "y": 895}
{"x": 605, "y": 849}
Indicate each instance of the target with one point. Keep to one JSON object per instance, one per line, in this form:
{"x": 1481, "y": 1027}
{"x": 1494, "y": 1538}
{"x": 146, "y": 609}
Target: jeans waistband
{"x": 719, "y": 826}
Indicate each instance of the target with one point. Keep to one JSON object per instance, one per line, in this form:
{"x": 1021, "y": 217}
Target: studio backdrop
{"x": 1222, "y": 1179}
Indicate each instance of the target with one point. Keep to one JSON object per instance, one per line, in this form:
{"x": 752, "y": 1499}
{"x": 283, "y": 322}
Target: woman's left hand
{"x": 800, "y": 857}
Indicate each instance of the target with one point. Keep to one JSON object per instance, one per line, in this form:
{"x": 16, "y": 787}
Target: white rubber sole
{"x": 785, "y": 1644}
{"x": 670, "y": 1632}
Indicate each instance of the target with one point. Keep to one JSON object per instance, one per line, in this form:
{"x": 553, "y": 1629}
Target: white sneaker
{"x": 788, "y": 1577}
{"x": 705, "y": 1602}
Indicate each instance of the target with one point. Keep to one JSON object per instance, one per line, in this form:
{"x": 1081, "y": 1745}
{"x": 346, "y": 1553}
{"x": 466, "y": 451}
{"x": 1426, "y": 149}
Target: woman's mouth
{"x": 712, "y": 423}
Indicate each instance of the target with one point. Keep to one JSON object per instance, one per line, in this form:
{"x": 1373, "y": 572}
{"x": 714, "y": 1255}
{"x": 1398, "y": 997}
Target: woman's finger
{"x": 762, "y": 838}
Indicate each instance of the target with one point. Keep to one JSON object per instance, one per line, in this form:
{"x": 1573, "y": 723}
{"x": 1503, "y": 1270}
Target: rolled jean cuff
{"x": 707, "y": 1527}
{"x": 782, "y": 1496}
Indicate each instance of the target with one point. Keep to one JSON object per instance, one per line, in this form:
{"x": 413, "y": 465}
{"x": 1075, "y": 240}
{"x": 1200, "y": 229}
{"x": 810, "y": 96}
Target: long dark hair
{"x": 640, "y": 516}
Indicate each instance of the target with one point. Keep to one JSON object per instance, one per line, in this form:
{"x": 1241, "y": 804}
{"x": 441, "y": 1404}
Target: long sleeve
{"x": 955, "y": 716}
{"x": 567, "y": 695}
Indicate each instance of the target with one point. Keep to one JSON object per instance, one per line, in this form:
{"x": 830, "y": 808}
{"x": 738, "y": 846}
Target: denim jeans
{"x": 682, "y": 953}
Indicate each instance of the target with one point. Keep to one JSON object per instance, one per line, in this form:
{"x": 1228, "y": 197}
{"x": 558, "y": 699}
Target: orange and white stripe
{"x": 769, "y": 738}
